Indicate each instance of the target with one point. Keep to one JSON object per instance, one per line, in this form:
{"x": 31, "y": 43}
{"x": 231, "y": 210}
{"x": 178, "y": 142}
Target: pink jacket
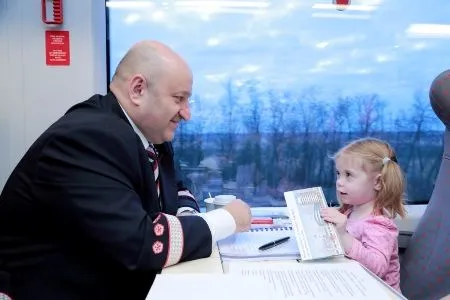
{"x": 376, "y": 247}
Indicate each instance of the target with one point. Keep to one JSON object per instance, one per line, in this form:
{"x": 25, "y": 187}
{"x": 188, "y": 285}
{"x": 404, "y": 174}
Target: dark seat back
{"x": 425, "y": 268}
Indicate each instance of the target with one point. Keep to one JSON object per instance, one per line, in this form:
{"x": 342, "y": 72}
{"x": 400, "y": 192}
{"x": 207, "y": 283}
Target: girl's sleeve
{"x": 378, "y": 240}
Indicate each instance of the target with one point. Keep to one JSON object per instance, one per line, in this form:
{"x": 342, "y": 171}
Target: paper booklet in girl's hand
{"x": 315, "y": 238}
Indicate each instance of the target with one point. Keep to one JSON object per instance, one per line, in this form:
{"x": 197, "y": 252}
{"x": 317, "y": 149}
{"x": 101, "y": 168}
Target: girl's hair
{"x": 378, "y": 156}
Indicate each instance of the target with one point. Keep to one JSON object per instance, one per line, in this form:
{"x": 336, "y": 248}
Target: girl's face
{"x": 354, "y": 185}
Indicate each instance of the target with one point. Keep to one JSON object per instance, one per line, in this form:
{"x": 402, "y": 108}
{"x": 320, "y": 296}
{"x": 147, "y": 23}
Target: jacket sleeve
{"x": 374, "y": 250}
{"x": 5, "y": 285}
{"x": 86, "y": 177}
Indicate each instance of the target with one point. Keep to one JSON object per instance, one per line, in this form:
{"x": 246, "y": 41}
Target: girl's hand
{"x": 332, "y": 215}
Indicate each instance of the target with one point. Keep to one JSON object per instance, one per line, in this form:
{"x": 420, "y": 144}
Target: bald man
{"x": 93, "y": 210}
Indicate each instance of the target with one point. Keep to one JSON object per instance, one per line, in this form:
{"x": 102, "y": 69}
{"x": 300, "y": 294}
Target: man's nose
{"x": 185, "y": 113}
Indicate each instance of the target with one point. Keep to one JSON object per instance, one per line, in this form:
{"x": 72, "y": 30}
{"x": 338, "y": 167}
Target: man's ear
{"x": 138, "y": 84}
{"x": 377, "y": 182}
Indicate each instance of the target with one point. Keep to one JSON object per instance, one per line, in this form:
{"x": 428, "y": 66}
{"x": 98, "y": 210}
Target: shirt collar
{"x": 136, "y": 129}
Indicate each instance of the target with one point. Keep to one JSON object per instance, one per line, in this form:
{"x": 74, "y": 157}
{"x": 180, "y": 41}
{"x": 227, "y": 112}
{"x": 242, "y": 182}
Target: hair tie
{"x": 386, "y": 160}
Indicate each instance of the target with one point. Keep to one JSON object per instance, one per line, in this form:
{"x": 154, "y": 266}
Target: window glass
{"x": 279, "y": 86}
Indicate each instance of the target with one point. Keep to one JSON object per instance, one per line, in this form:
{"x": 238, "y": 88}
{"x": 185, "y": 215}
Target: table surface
{"x": 214, "y": 264}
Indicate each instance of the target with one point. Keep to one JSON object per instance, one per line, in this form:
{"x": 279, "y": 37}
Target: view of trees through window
{"x": 279, "y": 86}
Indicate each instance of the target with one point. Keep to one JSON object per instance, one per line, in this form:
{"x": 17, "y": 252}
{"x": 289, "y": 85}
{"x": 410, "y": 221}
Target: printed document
{"x": 318, "y": 280}
{"x": 315, "y": 238}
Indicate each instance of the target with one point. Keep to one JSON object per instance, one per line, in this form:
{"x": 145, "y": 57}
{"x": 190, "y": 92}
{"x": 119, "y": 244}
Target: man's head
{"x": 153, "y": 85}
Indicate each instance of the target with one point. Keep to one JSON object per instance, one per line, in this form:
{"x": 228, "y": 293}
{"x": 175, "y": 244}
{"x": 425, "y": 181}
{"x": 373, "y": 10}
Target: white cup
{"x": 209, "y": 204}
{"x": 222, "y": 200}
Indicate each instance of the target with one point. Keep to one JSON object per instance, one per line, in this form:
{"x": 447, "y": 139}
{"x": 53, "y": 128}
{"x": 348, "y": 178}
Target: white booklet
{"x": 315, "y": 238}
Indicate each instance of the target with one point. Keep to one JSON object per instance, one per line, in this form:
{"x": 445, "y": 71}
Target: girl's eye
{"x": 347, "y": 174}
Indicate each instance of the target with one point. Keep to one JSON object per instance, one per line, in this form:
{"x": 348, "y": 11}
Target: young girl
{"x": 369, "y": 186}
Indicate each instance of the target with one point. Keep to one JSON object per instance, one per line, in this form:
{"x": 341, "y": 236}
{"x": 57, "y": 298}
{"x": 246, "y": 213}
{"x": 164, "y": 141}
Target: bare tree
{"x": 252, "y": 113}
{"x": 196, "y": 127}
{"x": 276, "y": 109}
{"x": 189, "y": 140}
{"x": 308, "y": 98}
{"x": 227, "y": 123}
{"x": 317, "y": 158}
{"x": 369, "y": 109}
{"x": 342, "y": 114}
{"x": 420, "y": 120}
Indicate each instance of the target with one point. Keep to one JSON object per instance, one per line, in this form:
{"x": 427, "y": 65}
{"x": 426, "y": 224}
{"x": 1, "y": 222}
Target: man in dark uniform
{"x": 93, "y": 210}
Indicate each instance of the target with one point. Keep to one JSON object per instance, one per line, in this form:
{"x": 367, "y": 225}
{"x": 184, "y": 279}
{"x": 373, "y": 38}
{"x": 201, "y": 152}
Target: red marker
{"x": 262, "y": 221}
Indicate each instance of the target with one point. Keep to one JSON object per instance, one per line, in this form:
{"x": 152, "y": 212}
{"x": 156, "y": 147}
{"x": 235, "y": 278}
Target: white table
{"x": 213, "y": 264}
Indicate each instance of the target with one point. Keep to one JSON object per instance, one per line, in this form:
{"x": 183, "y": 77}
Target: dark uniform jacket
{"x": 80, "y": 217}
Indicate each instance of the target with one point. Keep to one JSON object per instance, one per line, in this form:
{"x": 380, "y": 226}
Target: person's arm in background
{"x": 220, "y": 221}
{"x": 186, "y": 201}
{"x": 187, "y": 204}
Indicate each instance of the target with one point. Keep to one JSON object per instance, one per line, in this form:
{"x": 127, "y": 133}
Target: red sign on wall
{"x": 57, "y": 48}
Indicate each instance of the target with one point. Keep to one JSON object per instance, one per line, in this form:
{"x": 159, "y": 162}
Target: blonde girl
{"x": 370, "y": 187}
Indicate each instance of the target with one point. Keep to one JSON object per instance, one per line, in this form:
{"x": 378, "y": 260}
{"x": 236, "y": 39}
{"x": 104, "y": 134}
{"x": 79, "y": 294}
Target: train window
{"x": 281, "y": 85}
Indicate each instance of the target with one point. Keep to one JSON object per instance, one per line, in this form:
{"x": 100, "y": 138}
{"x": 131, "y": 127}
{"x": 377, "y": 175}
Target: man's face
{"x": 165, "y": 103}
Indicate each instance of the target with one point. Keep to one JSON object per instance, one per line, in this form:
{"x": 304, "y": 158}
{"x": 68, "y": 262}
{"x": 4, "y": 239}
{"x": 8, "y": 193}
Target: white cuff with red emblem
{"x": 176, "y": 241}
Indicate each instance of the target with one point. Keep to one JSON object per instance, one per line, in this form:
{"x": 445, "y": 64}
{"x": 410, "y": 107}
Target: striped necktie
{"x": 153, "y": 157}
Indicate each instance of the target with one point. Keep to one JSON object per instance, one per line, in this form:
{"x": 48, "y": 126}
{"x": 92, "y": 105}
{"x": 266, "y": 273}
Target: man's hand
{"x": 241, "y": 214}
{"x": 332, "y": 215}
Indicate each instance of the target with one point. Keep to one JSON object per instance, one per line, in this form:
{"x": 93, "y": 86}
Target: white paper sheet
{"x": 207, "y": 287}
{"x": 337, "y": 281}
